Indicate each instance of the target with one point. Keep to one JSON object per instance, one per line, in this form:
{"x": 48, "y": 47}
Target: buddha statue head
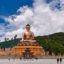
{"x": 28, "y": 27}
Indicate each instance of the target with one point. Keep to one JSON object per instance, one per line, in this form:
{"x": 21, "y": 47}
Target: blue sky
{"x": 8, "y": 7}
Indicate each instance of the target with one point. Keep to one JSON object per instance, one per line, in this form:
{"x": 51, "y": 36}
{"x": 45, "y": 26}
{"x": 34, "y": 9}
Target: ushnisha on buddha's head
{"x": 28, "y": 27}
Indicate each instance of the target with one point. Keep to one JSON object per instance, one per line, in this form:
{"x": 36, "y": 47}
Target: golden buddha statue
{"x": 28, "y": 35}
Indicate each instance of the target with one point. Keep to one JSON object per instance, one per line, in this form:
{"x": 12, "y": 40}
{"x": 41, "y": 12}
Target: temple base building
{"x": 28, "y": 51}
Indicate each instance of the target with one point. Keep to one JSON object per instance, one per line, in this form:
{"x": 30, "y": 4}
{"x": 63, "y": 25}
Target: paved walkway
{"x": 33, "y": 61}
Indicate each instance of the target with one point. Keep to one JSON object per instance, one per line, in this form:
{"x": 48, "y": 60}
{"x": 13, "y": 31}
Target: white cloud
{"x": 42, "y": 19}
{"x": 62, "y": 4}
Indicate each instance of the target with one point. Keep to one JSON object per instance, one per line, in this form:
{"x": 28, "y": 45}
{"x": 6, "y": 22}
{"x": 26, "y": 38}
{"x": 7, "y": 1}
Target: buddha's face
{"x": 28, "y": 28}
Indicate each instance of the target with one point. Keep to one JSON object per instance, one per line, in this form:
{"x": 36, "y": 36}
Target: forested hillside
{"x": 53, "y": 43}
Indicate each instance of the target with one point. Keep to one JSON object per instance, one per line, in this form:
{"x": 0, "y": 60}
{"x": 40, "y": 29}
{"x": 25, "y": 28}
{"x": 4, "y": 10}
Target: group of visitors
{"x": 59, "y": 60}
